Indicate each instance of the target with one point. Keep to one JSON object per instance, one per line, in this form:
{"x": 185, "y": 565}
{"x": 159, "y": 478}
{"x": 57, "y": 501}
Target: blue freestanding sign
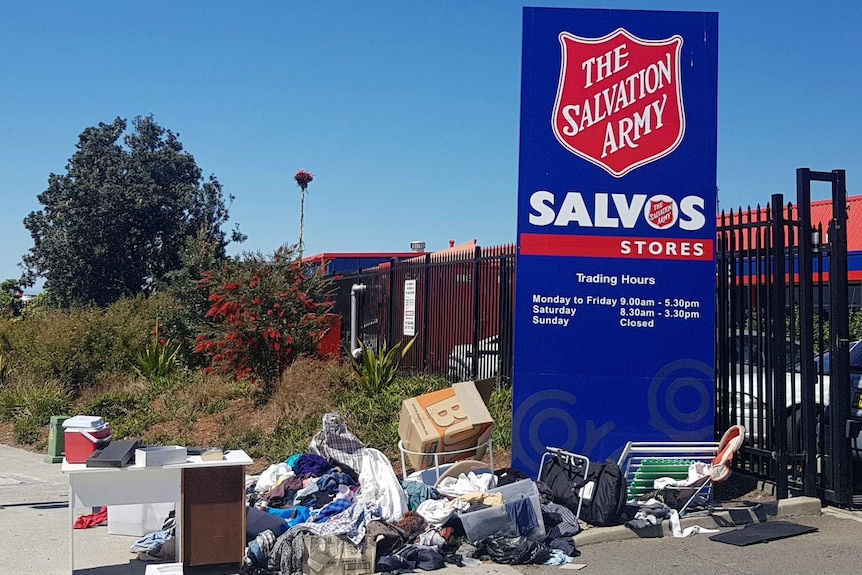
{"x": 615, "y": 293}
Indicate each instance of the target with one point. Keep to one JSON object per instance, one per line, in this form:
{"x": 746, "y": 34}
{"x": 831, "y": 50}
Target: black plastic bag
{"x": 512, "y": 550}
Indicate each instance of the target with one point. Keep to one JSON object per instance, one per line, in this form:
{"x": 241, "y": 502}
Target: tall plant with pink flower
{"x": 302, "y": 178}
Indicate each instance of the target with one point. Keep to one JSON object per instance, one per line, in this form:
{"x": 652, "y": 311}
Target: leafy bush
{"x": 130, "y": 414}
{"x": 500, "y": 407}
{"x": 67, "y": 346}
{"x": 131, "y": 321}
{"x": 27, "y": 431}
{"x": 75, "y": 346}
{"x": 265, "y": 312}
{"x": 34, "y": 401}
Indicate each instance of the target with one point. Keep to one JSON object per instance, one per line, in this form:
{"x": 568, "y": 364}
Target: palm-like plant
{"x": 377, "y": 369}
{"x": 157, "y": 361}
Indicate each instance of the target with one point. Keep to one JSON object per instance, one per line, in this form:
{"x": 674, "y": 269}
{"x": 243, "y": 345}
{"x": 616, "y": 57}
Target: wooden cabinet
{"x": 213, "y": 515}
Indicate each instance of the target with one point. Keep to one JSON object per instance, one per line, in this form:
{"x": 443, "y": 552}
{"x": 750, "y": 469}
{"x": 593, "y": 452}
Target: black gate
{"x": 783, "y": 341}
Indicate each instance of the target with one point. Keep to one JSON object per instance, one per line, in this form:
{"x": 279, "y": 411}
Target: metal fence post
{"x": 840, "y": 341}
{"x": 807, "y": 373}
{"x": 778, "y": 327}
{"x": 426, "y": 307}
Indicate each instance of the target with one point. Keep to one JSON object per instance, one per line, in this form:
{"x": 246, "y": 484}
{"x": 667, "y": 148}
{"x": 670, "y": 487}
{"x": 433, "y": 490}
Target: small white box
{"x": 165, "y": 569}
{"x": 138, "y": 520}
{"x": 157, "y": 455}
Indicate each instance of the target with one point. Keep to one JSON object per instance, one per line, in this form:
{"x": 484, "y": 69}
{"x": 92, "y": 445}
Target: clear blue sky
{"x": 406, "y": 112}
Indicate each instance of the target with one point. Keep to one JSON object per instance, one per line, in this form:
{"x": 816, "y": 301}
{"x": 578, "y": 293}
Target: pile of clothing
{"x": 342, "y": 488}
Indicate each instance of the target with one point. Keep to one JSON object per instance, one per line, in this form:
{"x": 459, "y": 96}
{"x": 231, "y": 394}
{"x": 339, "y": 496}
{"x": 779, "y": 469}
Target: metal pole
{"x": 808, "y": 373}
{"x": 840, "y": 340}
{"x": 777, "y": 336}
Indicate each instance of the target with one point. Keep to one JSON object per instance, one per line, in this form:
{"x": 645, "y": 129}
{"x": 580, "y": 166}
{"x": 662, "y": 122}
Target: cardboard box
{"x": 444, "y": 421}
{"x": 332, "y": 555}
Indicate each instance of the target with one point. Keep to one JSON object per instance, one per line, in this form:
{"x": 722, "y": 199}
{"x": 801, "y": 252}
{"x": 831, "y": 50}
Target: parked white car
{"x": 460, "y": 362}
{"x": 750, "y": 386}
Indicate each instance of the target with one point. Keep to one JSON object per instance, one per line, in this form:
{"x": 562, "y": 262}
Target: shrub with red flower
{"x": 264, "y": 312}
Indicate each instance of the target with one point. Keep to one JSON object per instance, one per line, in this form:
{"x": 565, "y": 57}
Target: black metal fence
{"x": 458, "y": 305}
{"x": 782, "y": 310}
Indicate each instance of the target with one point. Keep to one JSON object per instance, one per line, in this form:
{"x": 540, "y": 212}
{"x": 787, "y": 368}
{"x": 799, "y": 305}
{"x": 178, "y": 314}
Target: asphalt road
{"x": 833, "y": 549}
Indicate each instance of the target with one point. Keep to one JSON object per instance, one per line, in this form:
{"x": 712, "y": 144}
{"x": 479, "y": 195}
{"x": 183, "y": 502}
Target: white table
{"x": 135, "y": 484}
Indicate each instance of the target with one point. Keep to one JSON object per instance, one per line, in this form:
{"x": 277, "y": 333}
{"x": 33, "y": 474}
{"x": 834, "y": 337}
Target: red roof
{"x": 821, "y": 213}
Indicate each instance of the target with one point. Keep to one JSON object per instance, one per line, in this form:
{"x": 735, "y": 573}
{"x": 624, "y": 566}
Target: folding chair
{"x": 642, "y": 462}
{"x": 578, "y": 463}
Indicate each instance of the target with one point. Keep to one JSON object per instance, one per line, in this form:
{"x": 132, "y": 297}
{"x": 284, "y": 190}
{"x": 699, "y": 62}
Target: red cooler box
{"x": 84, "y": 434}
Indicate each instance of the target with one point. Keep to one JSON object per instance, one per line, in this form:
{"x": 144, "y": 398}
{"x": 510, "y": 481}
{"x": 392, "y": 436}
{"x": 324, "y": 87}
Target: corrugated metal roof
{"x": 821, "y": 212}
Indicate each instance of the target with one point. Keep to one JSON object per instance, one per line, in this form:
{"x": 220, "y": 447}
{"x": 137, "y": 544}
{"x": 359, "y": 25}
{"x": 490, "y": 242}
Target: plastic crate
{"x": 495, "y": 520}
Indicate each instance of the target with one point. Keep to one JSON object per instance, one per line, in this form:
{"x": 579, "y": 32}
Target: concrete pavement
{"x": 34, "y": 523}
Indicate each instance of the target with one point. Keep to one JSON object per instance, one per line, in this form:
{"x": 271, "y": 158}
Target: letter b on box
{"x": 443, "y": 421}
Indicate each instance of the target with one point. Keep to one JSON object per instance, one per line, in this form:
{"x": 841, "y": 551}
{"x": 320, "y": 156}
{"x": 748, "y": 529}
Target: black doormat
{"x": 762, "y": 532}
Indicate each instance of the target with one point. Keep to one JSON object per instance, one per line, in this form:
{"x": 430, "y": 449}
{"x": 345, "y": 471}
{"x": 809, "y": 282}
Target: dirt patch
{"x": 7, "y": 437}
{"x": 740, "y": 487}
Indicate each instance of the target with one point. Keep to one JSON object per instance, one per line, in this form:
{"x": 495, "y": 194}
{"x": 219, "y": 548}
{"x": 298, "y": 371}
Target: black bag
{"x": 604, "y": 501}
{"x": 561, "y": 476}
{"x": 512, "y": 550}
{"x": 607, "y": 506}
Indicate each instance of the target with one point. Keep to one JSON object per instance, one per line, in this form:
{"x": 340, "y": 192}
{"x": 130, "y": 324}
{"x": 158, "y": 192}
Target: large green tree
{"x": 116, "y": 222}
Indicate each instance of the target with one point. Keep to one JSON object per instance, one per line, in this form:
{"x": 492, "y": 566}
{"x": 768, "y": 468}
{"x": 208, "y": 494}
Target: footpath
{"x": 35, "y": 527}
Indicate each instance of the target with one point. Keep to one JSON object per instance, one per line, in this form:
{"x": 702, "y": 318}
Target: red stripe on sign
{"x": 616, "y": 247}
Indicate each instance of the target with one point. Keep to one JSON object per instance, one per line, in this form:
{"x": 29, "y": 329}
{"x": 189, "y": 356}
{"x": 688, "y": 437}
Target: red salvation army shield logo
{"x": 619, "y": 99}
{"x": 661, "y": 212}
